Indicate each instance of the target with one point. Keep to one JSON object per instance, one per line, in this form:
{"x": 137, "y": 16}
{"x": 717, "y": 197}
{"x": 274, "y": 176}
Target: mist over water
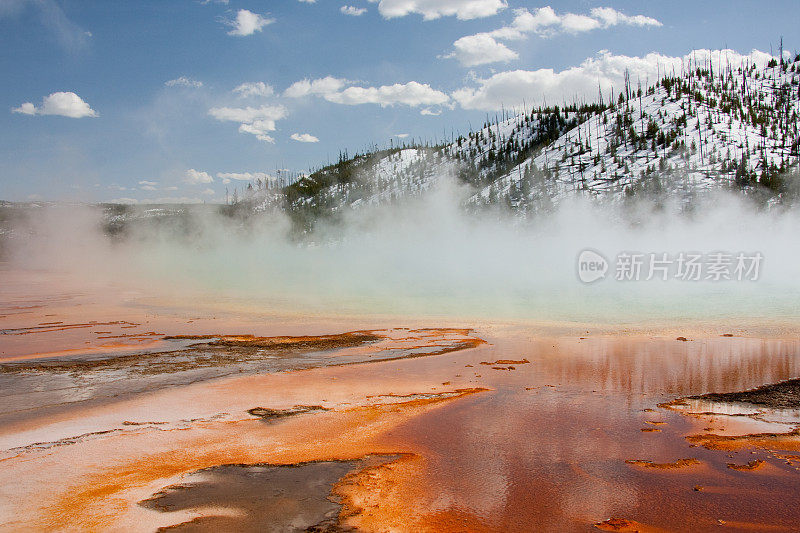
{"x": 430, "y": 257}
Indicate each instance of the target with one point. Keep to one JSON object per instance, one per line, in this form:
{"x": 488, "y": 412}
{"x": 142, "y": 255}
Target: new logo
{"x": 591, "y": 266}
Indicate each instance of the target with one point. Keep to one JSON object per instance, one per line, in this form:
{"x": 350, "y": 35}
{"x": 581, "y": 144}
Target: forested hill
{"x": 705, "y": 128}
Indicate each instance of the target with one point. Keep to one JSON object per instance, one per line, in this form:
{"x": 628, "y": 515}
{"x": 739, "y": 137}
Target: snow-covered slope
{"x": 703, "y": 128}
{"x": 698, "y": 131}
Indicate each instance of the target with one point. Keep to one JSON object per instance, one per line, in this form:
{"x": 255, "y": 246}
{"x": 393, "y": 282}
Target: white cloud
{"x": 258, "y": 121}
{"x": 430, "y": 111}
{"x": 248, "y": 114}
{"x": 148, "y": 185}
{"x": 318, "y": 87}
{"x": 247, "y": 23}
{"x": 258, "y": 88}
{"x": 433, "y": 9}
{"x": 401, "y": 135}
{"x": 209, "y": 192}
{"x": 411, "y": 94}
{"x": 304, "y": 138}
{"x": 353, "y": 11}
{"x": 195, "y": 177}
{"x": 333, "y": 90}
{"x": 26, "y": 109}
{"x": 573, "y": 23}
{"x": 510, "y": 88}
{"x": 484, "y": 48}
{"x": 308, "y": 1}
{"x": 612, "y": 17}
{"x": 526, "y": 22}
{"x": 183, "y": 81}
{"x": 65, "y": 104}
{"x": 481, "y": 49}
{"x": 545, "y": 22}
{"x": 723, "y": 58}
{"x": 259, "y": 128}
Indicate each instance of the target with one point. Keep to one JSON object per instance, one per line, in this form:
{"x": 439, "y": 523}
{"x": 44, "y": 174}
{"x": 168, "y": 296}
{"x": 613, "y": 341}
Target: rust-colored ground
{"x": 680, "y": 463}
{"x": 555, "y": 445}
{"x": 99, "y": 501}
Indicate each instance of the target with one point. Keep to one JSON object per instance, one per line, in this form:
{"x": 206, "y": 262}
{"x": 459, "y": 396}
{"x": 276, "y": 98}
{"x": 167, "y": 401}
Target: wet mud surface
{"x": 261, "y": 497}
{"x": 766, "y": 417}
{"x": 783, "y": 395}
{"x": 36, "y": 383}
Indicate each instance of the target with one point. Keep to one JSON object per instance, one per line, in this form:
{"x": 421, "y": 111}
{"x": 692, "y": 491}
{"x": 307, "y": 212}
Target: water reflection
{"x": 546, "y": 449}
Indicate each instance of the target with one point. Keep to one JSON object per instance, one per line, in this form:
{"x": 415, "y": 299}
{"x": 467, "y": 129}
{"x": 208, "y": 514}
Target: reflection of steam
{"x": 428, "y": 256}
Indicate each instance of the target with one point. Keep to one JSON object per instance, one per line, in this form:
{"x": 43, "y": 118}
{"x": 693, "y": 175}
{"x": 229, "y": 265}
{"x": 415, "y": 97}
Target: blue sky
{"x": 106, "y": 100}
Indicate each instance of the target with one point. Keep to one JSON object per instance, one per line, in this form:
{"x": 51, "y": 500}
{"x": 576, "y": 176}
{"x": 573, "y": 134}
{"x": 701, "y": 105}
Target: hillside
{"x": 702, "y": 130}
{"x": 705, "y": 128}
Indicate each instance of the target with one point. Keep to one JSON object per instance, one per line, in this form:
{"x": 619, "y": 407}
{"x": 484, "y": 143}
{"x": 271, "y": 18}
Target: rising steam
{"x": 430, "y": 257}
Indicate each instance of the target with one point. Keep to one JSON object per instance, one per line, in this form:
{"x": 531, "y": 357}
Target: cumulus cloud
{"x": 248, "y": 114}
{"x": 545, "y": 22}
{"x": 247, "y": 23}
{"x": 401, "y": 135}
{"x": 258, "y": 121}
{"x": 148, "y": 185}
{"x": 258, "y": 88}
{"x": 65, "y": 104}
{"x": 411, "y": 94}
{"x": 526, "y": 22}
{"x": 604, "y": 70}
{"x": 318, "y": 87}
{"x": 196, "y": 177}
{"x": 483, "y": 48}
{"x": 332, "y": 89}
{"x": 353, "y": 11}
{"x": 259, "y": 128}
{"x": 183, "y": 81}
{"x": 573, "y": 23}
{"x": 227, "y": 177}
{"x": 26, "y": 109}
{"x": 304, "y": 138}
{"x": 612, "y": 17}
{"x": 431, "y": 111}
{"x": 434, "y": 9}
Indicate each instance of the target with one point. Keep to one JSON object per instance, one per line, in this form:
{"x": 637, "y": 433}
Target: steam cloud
{"x": 429, "y": 257}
